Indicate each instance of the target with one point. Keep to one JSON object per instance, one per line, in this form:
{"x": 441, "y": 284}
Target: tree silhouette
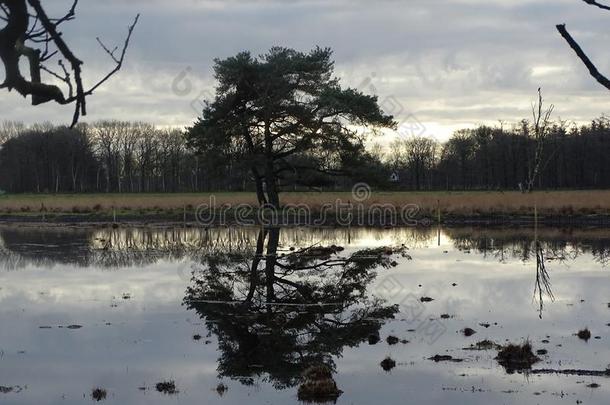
{"x": 276, "y": 314}
{"x": 285, "y": 115}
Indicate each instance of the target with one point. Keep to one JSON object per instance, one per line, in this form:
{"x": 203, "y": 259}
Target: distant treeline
{"x": 114, "y": 156}
{"x": 489, "y": 158}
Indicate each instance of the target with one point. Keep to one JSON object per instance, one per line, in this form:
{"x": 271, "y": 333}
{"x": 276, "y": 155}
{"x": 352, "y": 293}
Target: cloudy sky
{"x": 436, "y": 64}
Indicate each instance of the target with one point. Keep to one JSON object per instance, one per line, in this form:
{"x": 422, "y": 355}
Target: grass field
{"x": 450, "y": 203}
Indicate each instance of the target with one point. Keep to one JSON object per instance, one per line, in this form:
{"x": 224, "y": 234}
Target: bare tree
{"x": 540, "y": 132}
{"x": 10, "y": 129}
{"x": 603, "y": 80}
{"x": 29, "y": 32}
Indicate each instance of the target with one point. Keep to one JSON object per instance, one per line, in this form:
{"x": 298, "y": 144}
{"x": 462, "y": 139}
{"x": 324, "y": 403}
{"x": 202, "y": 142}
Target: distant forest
{"x": 114, "y": 156}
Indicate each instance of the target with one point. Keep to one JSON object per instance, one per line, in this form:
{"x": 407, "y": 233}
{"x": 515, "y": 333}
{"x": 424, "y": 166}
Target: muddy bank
{"x": 313, "y": 219}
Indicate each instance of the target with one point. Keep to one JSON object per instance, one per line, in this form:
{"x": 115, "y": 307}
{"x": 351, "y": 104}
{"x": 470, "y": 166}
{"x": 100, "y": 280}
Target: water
{"x": 135, "y": 298}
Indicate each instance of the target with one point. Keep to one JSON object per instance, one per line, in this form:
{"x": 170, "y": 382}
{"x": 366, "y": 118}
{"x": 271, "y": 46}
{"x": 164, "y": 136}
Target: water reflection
{"x": 139, "y": 246}
{"x": 280, "y": 312}
{"x": 270, "y": 303}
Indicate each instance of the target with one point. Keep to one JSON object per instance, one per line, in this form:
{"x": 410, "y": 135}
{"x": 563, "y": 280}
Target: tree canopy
{"x": 286, "y": 116}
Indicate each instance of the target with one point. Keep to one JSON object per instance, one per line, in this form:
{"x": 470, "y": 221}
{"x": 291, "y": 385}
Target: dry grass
{"x": 450, "y": 203}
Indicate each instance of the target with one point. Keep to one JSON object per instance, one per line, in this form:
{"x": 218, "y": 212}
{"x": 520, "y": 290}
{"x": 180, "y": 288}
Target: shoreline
{"x": 377, "y": 209}
{"x": 190, "y": 220}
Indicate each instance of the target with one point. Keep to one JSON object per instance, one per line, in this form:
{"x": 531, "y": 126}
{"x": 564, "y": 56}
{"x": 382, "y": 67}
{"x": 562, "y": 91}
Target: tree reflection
{"x": 542, "y": 285}
{"x": 275, "y": 312}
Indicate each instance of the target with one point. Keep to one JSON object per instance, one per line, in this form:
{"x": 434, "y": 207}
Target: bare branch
{"x": 119, "y": 62}
{"x": 597, "y": 4}
{"x": 108, "y": 51}
{"x": 43, "y": 30}
{"x": 603, "y": 80}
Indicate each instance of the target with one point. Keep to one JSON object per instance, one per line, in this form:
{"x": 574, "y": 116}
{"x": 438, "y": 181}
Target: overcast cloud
{"x": 449, "y": 64}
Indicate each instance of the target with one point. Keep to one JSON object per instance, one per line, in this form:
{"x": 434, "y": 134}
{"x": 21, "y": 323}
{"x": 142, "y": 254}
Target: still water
{"x": 123, "y": 309}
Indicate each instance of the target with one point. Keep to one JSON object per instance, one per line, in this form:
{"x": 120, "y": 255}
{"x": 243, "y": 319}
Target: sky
{"x": 437, "y": 65}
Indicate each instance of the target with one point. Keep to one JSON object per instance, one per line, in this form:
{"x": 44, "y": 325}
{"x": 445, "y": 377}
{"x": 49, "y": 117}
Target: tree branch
{"x": 595, "y": 3}
{"x": 603, "y": 80}
{"x": 13, "y": 38}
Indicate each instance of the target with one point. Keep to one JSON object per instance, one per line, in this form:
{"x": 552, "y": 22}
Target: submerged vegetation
{"x": 319, "y": 385}
{"x": 166, "y": 387}
{"x": 98, "y": 394}
{"x": 515, "y": 357}
{"x": 388, "y": 364}
{"x": 484, "y": 345}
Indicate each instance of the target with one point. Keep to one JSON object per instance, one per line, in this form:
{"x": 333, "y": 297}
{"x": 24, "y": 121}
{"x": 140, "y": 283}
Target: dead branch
{"x": 603, "y": 80}
{"x": 597, "y": 4}
{"x": 14, "y": 39}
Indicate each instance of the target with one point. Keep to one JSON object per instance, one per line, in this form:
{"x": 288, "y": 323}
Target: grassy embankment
{"x": 451, "y": 204}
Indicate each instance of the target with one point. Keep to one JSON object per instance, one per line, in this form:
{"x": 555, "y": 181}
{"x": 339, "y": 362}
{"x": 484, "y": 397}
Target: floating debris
{"x": 319, "y": 385}
{"x": 542, "y": 352}
{"x": 469, "y": 332}
{"x": 98, "y": 394}
{"x": 445, "y": 316}
{"x": 388, "y": 364}
{"x": 74, "y": 326}
{"x": 438, "y": 358}
{"x": 197, "y": 337}
{"x": 392, "y": 340}
{"x": 581, "y": 373}
{"x": 584, "y": 334}
{"x": 167, "y": 387}
{"x": 484, "y": 345}
{"x": 426, "y": 299}
{"x": 593, "y": 385}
